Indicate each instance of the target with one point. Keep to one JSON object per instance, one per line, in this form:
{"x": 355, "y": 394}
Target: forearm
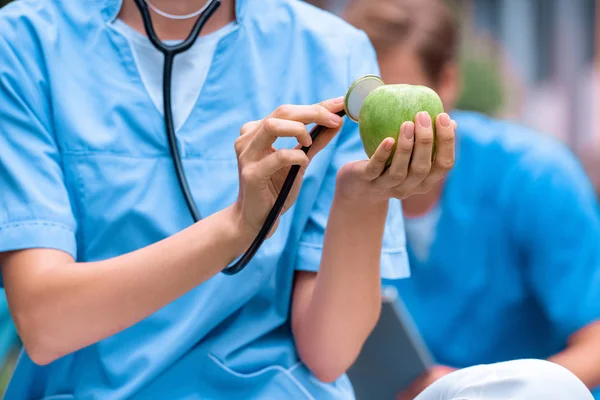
{"x": 69, "y": 306}
{"x": 332, "y": 323}
{"x": 582, "y": 355}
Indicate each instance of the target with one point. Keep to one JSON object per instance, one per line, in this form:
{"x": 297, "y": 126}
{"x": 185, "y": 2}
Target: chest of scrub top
{"x": 116, "y": 157}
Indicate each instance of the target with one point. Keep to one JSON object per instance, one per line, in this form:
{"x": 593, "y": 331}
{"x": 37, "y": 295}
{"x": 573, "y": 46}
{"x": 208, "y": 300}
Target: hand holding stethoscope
{"x": 263, "y": 170}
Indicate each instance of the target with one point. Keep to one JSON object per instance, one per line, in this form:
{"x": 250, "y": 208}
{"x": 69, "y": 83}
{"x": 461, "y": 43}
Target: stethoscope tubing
{"x": 170, "y": 51}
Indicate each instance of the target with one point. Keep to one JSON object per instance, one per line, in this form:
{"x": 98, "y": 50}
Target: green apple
{"x": 380, "y": 110}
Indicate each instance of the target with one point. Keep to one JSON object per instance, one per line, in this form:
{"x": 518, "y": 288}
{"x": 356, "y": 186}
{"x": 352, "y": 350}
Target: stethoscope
{"x": 170, "y": 51}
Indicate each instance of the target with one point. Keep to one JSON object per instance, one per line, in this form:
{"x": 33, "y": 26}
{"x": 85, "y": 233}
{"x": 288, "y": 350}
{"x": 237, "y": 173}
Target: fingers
{"x": 408, "y": 176}
{"x": 420, "y": 164}
{"x": 290, "y": 121}
{"x": 334, "y": 105}
{"x": 444, "y": 156}
{"x": 376, "y": 164}
{"x": 250, "y": 127}
{"x": 268, "y": 166}
{"x": 273, "y": 128}
{"x": 398, "y": 170}
{"x": 316, "y": 113}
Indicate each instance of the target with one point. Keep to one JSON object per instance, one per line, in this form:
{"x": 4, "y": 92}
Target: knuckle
{"x": 282, "y": 156}
{"x": 420, "y": 171}
{"x": 397, "y": 176}
{"x": 372, "y": 169}
{"x": 247, "y": 128}
{"x": 404, "y": 147}
{"x": 248, "y": 174}
{"x": 320, "y": 111}
{"x": 270, "y": 125}
{"x": 425, "y": 139}
{"x": 445, "y": 164}
{"x": 446, "y": 137}
{"x": 239, "y": 145}
{"x": 283, "y": 111}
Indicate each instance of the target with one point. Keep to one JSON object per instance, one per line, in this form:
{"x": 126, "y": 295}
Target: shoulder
{"x": 46, "y": 22}
{"x": 301, "y": 16}
{"x": 24, "y": 28}
{"x": 517, "y": 158}
{"x": 19, "y": 17}
{"x": 310, "y": 28}
{"x": 30, "y": 27}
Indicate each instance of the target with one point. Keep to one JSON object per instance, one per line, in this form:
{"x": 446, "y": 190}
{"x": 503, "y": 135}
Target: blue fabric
{"x": 85, "y": 168}
{"x": 515, "y": 267}
{"x": 9, "y": 339}
{"x": 421, "y": 231}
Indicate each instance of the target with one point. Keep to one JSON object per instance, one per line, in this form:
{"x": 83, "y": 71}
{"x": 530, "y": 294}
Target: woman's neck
{"x": 176, "y": 29}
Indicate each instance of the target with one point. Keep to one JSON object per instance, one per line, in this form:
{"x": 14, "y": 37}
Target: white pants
{"x": 514, "y": 380}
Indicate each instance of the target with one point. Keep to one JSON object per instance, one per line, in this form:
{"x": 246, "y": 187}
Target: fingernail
{"x": 339, "y": 100}
{"x": 336, "y": 119}
{"x": 389, "y": 143}
{"x": 424, "y": 119}
{"x": 409, "y": 131}
{"x": 445, "y": 120}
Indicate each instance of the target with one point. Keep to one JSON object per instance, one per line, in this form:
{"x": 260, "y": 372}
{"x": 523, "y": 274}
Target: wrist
{"x": 238, "y": 229}
{"x": 360, "y": 207}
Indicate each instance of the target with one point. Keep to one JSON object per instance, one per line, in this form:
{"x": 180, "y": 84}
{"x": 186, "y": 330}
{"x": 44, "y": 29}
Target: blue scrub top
{"x": 85, "y": 168}
{"x": 514, "y": 269}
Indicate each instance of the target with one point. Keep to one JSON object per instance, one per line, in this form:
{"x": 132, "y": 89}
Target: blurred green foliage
{"x": 482, "y": 85}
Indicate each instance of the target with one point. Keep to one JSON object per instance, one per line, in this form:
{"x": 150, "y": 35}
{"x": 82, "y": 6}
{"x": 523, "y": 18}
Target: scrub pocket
{"x": 276, "y": 382}
{"x": 59, "y": 397}
{"x": 273, "y": 382}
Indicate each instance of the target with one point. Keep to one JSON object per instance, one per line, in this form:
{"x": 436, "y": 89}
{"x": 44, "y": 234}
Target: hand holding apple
{"x": 406, "y": 157}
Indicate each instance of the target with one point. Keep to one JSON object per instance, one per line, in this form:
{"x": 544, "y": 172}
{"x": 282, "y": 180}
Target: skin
{"x": 60, "y": 306}
{"x": 403, "y": 65}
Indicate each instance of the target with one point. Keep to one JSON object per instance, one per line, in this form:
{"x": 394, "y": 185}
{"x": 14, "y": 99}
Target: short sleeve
{"x": 35, "y": 209}
{"x": 559, "y": 232}
{"x": 394, "y": 259}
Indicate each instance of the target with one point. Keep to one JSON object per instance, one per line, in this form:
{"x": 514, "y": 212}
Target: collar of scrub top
{"x": 110, "y": 8}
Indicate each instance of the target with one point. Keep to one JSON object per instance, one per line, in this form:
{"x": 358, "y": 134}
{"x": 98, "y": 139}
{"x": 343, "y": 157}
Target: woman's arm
{"x": 335, "y": 310}
{"x": 582, "y": 355}
{"x": 60, "y": 306}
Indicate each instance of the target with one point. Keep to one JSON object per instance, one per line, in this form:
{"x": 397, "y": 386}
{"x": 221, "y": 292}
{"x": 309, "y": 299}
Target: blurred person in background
{"x": 505, "y": 253}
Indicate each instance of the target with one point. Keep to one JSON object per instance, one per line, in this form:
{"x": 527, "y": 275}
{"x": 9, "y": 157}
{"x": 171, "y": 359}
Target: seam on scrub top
{"x": 11, "y": 225}
{"x": 394, "y": 250}
{"x": 104, "y": 153}
{"x": 279, "y": 368}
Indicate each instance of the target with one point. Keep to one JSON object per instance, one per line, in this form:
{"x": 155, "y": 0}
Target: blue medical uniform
{"x": 514, "y": 269}
{"x": 85, "y": 168}
{"x": 9, "y": 339}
